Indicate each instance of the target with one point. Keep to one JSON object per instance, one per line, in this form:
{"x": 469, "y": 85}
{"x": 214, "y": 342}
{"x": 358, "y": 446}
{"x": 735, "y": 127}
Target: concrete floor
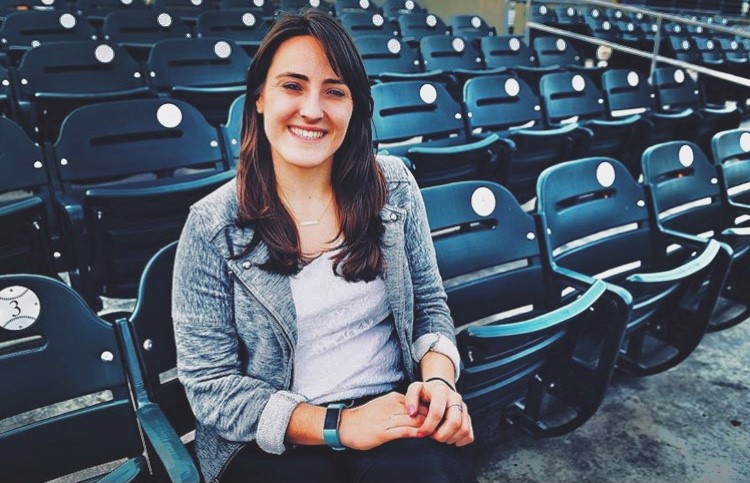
{"x": 689, "y": 424}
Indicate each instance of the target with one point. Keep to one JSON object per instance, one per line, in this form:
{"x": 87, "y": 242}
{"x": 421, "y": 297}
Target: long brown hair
{"x": 358, "y": 184}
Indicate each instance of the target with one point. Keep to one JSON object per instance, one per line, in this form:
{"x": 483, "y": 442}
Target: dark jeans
{"x": 408, "y": 460}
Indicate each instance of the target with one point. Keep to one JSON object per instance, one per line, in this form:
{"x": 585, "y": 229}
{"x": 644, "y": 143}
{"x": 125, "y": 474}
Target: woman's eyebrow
{"x": 303, "y": 77}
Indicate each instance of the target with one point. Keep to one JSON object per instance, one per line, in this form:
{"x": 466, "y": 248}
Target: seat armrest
{"x": 689, "y": 268}
{"x": 174, "y": 456}
{"x": 545, "y": 321}
{"x": 94, "y": 96}
{"x": 737, "y": 231}
{"x": 165, "y": 189}
{"x": 126, "y": 472}
{"x": 577, "y": 277}
{"x": 481, "y": 143}
{"x": 231, "y": 89}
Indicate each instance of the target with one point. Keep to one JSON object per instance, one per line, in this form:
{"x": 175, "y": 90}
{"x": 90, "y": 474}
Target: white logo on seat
{"x": 409, "y": 5}
{"x": 686, "y": 155}
{"x": 364, "y": 4}
{"x": 679, "y": 76}
{"x": 19, "y": 308}
{"x": 543, "y": 10}
{"x": 169, "y": 115}
{"x": 745, "y": 141}
{"x": 605, "y": 174}
{"x": 165, "y": 20}
{"x": 458, "y": 44}
{"x": 259, "y": 3}
{"x": 561, "y": 44}
{"x": 104, "y": 53}
{"x": 476, "y": 22}
{"x": 67, "y": 21}
{"x": 578, "y": 83}
{"x": 633, "y": 78}
{"x": 431, "y": 20}
{"x": 514, "y": 44}
{"x": 377, "y": 20}
{"x": 512, "y": 87}
{"x": 394, "y": 46}
{"x": 483, "y": 201}
{"x": 428, "y": 93}
{"x": 222, "y": 49}
{"x": 248, "y": 19}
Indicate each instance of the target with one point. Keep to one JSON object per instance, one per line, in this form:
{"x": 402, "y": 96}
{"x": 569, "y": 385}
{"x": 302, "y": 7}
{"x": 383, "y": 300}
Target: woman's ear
{"x": 259, "y": 104}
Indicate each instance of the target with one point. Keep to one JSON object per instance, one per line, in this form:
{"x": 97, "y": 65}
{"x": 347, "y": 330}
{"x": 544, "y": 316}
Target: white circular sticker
{"x": 595, "y": 13}
{"x": 605, "y": 174}
{"x": 35, "y": 43}
{"x": 409, "y": 5}
{"x": 679, "y": 76}
{"x": 315, "y": 3}
{"x": 631, "y": 27}
{"x": 196, "y": 2}
{"x": 618, "y": 13}
{"x": 394, "y": 46}
{"x": 126, "y": 2}
{"x": 104, "y": 53}
{"x": 169, "y": 115}
{"x": 514, "y": 44}
{"x": 686, "y": 155}
{"x": 364, "y": 4}
{"x": 458, "y": 44}
{"x": 699, "y": 29}
{"x": 165, "y": 20}
{"x": 685, "y": 45}
{"x": 222, "y": 49}
{"x": 561, "y": 44}
{"x": 248, "y": 19}
{"x": 654, "y": 28}
{"x": 476, "y": 22}
{"x": 570, "y": 11}
{"x": 428, "y": 93}
{"x": 578, "y": 83}
{"x": 606, "y": 25}
{"x": 543, "y": 10}
{"x": 633, "y": 78}
{"x": 431, "y": 20}
{"x": 734, "y": 45}
{"x": 745, "y": 141}
{"x": 259, "y": 3}
{"x": 639, "y": 16}
{"x": 710, "y": 45}
{"x": 48, "y": 2}
{"x": 483, "y": 201}
{"x": 19, "y": 308}
{"x": 677, "y": 29}
{"x": 377, "y": 20}
{"x": 512, "y": 87}
{"x": 68, "y": 21}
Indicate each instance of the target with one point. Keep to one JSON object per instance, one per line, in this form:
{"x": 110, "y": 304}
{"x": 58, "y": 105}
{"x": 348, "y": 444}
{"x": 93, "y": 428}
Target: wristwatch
{"x": 331, "y": 426}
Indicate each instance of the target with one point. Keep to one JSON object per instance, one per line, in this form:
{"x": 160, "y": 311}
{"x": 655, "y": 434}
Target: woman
{"x": 307, "y": 296}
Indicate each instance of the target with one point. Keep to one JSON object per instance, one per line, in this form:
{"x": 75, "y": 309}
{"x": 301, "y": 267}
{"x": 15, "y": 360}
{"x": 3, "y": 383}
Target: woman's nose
{"x": 312, "y": 107}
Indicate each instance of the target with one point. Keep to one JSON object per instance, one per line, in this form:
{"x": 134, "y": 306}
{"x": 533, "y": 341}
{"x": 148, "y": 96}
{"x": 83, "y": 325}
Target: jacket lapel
{"x": 393, "y": 253}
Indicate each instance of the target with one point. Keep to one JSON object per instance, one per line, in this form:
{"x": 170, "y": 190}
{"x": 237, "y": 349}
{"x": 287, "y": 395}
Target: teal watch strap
{"x": 331, "y": 426}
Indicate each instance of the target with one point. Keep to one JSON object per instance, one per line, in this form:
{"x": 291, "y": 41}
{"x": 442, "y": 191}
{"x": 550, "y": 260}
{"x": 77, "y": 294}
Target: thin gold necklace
{"x": 303, "y": 223}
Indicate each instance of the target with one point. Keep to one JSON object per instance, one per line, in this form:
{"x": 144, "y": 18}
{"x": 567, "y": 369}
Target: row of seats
{"x": 607, "y": 274}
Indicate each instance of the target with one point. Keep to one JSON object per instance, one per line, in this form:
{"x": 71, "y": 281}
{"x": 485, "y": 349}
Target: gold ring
{"x": 459, "y": 406}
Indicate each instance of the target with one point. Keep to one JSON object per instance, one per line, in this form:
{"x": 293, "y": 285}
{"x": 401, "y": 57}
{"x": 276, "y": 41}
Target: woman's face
{"x": 306, "y": 107}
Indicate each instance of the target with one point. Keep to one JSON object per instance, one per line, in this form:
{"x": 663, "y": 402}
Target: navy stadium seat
{"x": 387, "y": 58}
{"x": 138, "y": 30}
{"x": 367, "y": 23}
{"x": 392, "y": 9}
{"x": 730, "y": 153}
{"x": 300, "y": 5}
{"x": 507, "y": 106}
{"x": 456, "y": 56}
{"x": 471, "y": 27}
{"x": 266, "y": 7}
{"x": 129, "y": 171}
{"x": 414, "y": 26}
{"x": 55, "y": 349}
{"x": 686, "y": 193}
{"x": 187, "y": 10}
{"x": 208, "y": 73}
{"x": 528, "y": 337}
{"x": 232, "y": 130}
{"x": 96, "y": 10}
{"x": 350, "y": 6}
{"x": 597, "y": 224}
{"x": 570, "y": 97}
{"x": 445, "y": 153}
{"x": 56, "y": 78}
{"x": 506, "y": 51}
{"x": 246, "y": 28}
{"x": 24, "y": 204}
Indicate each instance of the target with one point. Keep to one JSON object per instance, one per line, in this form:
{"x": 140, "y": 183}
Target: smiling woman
{"x": 309, "y": 312}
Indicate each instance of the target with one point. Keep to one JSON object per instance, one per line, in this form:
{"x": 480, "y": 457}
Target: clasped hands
{"x": 429, "y": 409}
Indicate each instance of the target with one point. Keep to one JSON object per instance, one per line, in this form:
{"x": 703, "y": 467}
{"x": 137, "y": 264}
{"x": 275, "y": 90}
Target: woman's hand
{"x": 447, "y": 419}
{"x": 381, "y": 420}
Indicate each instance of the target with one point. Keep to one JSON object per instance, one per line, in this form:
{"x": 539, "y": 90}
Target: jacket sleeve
{"x": 238, "y": 407}
{"x": 433, "y": 325}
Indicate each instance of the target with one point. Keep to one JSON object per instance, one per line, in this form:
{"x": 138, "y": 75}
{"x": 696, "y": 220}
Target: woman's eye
{"x": 337, "y": 92}
{"x": 292, "y": 86}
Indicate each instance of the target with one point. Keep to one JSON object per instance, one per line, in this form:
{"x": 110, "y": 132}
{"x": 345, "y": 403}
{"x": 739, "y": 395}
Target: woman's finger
{"x": 438, "y": 402}
{"x": 413, "y": 394}
{"x": 470, "y": 438}
{"x": 463, "y": 431}
{"x": 453, "y": 423}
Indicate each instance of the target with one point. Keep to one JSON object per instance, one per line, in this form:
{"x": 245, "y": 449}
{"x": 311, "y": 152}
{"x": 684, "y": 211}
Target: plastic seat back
{"x": 363, "y": 23}
{"x": 414, "y": 26}
{"x": 299, "y": 5}
{"x": 506, "y": 51}
{"x": 556, "y": 51}
{"x": 139, "y": 27}
{"x": 187, "y": 10}
{"x": 731, "y": 149}
{"x": 55, "y": 349}
{"x": 24, "y": 204}
{"x": 98, "y": 9}
{"x": 385, "y": 54}
{"x": 542, "y": 13}
{"x": 394, "y": 8}
{"x": 471, "y": 27}
{"x": 266, "y": 8}
{"x": 684, "y": 187}
{"x": 569, "y": 96}
{"x": 569, "y": 15}
{"x": 233, "y": 129}
{"x": 675, "y": 89}
{"x": 501, "y": 102}
{"x": 685, "y": 49}
{"x": 246, "y": 28}
{"x": 24, "y": 30}
{"x": 449, "y": 53}
{"x": 627, "y": 92}
{"x": 354, "y": 6}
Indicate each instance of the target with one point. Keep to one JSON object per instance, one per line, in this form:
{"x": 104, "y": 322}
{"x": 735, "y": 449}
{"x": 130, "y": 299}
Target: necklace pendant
{"x": 309, "y": 223}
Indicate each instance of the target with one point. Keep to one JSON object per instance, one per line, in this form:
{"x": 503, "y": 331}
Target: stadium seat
{"x": 730, "y": 153}
{"x": 187, "y": 10}
{"x": 208, "y": 73}
{"x": 513, "y": 52}
{"x": 541, "y": 13}
{"x": 22, "y": 31}
{"x": 138, "y": 30}
{"x": 129, "y": 171}
{"x": 628, "y": 92}
{"x": 471, "y": 27}
{"x": 531, "y": 356}
{"x": 559, "y": 52}
{"x": 56, "y": 350}
{"x": 676, "y": 90}
{"x": 366, "y": 23}
{"x": 61, "y": 76}
{"x": 686, "y": 194}
{"x": 232, "y": 130}
{"x": 597, "y": 224}
{"x": 392, "y": 9}
{"x": 353, "y": 6}
{"x": 414, "y": 26}
{"x": 95, "y": 11}
{"x": 7, "y": 100}
{"x": 245, "y": 28}
{"x": 407, "y": 110}
{"x": 267, "y": 8}
{"x": 505, "y": 105}
{"x": 299, "y": 5}
{"x": 386, "y": 59}
{"x": 569, "y": 97}
{"x": 457, "y": 57}
{"x": 24, "y": 204}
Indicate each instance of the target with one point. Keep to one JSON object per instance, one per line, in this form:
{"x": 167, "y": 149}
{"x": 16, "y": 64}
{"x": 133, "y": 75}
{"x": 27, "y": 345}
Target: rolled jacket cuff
{"x": 436, "y": 342}
{"x": 274, "y": 420}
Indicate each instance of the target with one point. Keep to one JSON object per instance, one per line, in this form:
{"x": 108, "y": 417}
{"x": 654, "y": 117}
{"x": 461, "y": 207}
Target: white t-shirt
{"x": 347, "y": 346}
